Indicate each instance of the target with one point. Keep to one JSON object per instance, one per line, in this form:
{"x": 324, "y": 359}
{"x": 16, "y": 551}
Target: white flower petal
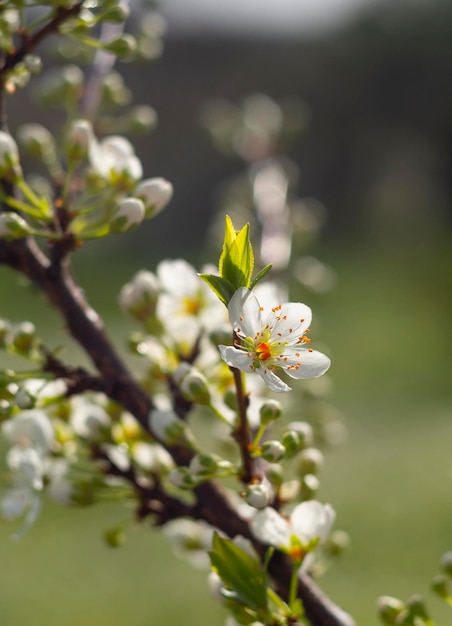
{"x": 302, "y": 363}
{"x": 290, "y": 322}
{"x": 270, "y": 527}
{"x": 244, "y": 313}
{"x": 178, "y": 277}
{"x": 236, "y": 358}
{"x": 312, "y": 519}
{"x": 272, "y": 381}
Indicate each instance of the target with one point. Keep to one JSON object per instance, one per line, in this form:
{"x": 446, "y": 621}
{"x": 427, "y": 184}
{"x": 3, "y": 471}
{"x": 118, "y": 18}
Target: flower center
{"x": 191, "y": 306}
{"x": 263, "y": 351}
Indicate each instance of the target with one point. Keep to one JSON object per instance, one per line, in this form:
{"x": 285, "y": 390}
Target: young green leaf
{"x": 220, "y": 286}
{"x": 239, "y": 572}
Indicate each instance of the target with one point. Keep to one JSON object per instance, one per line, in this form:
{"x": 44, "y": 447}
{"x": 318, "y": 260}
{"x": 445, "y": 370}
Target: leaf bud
{"x": 13, "y": 226}
{"x": 155, "y": 193}
{"x": 446, "y": 563}
{"x": 258, "y": 495}
{"x": 389, "y": 608}
{"x": 305, "y": 431}
{"x": 123, "y": 46}
{"x": 128, "y": 216}
{"x": 24, "y": 337}
{"x": 311, "y": 461}
{"x": 272, "y": 450}
{"x": 194, "y": 387}
{"x": 270, "y": 411}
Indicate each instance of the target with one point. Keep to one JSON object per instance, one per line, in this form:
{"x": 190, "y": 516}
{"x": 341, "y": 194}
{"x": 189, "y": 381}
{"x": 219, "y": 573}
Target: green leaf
{"x": 220, "y": 286}
{"x": 240, "y": 572}
{"x": 237, "y": 259}
{"x": 260, "y": 275}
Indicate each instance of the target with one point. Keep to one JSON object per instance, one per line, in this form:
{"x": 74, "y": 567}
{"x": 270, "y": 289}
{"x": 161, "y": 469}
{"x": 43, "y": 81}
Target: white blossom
{"x": 272, "y": 341}
{"x": 30, "y": 428}
{"x": 155, "y": 193}
{"x": 309, "y": 523}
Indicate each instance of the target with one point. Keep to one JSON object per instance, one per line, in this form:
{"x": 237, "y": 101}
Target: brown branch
{"x": 86, "y": 327}
{"x": 242, "y": 432}
{"x": 31, "y": 42}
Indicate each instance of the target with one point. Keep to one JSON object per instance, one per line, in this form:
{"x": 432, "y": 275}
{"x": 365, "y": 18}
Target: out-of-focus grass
{"x": 387, "y": 327}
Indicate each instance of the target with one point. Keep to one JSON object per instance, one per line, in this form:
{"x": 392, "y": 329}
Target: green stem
{"x": 218, "y": 414}
{"x": 293, "y": 590}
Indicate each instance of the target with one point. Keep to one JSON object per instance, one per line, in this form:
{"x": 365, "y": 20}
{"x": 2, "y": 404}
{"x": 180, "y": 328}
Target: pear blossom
{"x": 265, "y": 342}
{"x": 308, "y": 525}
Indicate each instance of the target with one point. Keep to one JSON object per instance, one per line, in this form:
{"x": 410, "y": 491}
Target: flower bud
{"x": 24, "y": 399}
{"x": 37, "y": 141}
{"x": 128, "y": 216}
{"x": 79, "y": 138}
{"x": 337, "y": 542}
{"x": 439, "y": 586}
{"x": 270, "y": 411}
{"x": 446, "y": 563}
{"x": 168, "y": 428}
{"x": 258, "y": 496}
{"x": 123, "y": 46}
{"x": 311, "y": 461}
{"x": 305, "y": 431}
{"x": 142, "y": 119}
{"x": 117, "y": 13}
{"x": 115, "y": 537}
{"x": 275, "y": 473}
{"x": 9, "y": 157}
{"x": 139, "y": 297}
{"x": 155, "y": 193}
{"x": 194, "y": 387}
{"x": 292, "y": 442}
{"x": 272, "y": 451}
{"x": 182, "y": 478}
{"x": 206, "y": 465}
{"x": 417, "y": 608}
{"x": 13, "y": 226}
{"x": 24, "y": 337}
{"x": 389, "y": 608}
{"x": 33, "y": 63}
{"x": 310, "y": 485}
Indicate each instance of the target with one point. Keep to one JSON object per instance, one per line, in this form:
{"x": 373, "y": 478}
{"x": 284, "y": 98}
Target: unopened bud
{"x": 310, "y": 485}
{"x": 270, "y": 411}
{"x": 275, "y": 473}
{"x": 182, "y": 478}
{"x": 24, "y": 399}
{"x": 117, "y": 13}
{"x": 305, "y": 431}
{"x": 168, "y": 428}
{"x": 291, "y": 440}
{"x": 115, "y": 537}
{"x": 142, "y": 119}
{"x": 24, "y": 337}
{"x": 9, "y": 157}
{"x": 417, "y": 608}
{"x": 79, "y": 138}
{"x": 194, "y": 387}
{"x": 128, "y": 216}
{"x": 439, "y": 585}
{"x": 206, "y": 465}
{"x": 258, "y": 496}
{"x": 446, "y": 563}
{"x": 33, "y": 63}
{"x": 272, "y": 451}
{"x": 13, "y": 226}
{"x": 36, "y": 140}
{"x": 337, "y": 542}
{"x": 122, "y": 46}
{"x": 389, "y": 609}
{"x": 311, "y": 461}
{"x": 155, "y": 193}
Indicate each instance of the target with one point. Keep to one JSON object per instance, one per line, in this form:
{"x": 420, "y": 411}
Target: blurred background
{"x": 373, "y": 82}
